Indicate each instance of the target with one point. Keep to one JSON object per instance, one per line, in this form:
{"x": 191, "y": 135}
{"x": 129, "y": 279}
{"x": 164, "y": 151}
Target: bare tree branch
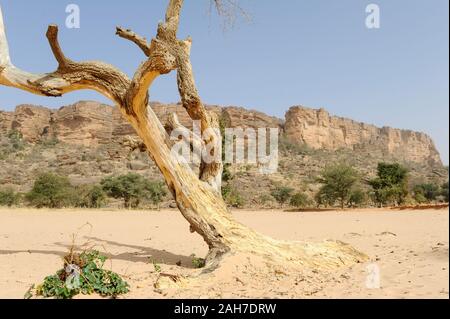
{"x": 70, "y": 76}
{"x": 167, "y": 53}
{"x": 230, "y": 11}
{"x": 141, "y": 42}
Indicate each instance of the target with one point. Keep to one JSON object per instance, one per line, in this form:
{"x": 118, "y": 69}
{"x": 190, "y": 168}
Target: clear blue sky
{"x": 316, "y": 53}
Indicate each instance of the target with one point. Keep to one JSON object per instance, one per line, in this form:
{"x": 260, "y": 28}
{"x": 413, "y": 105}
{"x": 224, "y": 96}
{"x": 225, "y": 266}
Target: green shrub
{"x": 52, "y": 191}
{"x": 300, "y": 200}
{"x": 133, "y": 188}
{"x": 157, "y": 192}
{"x": 420, "y": 198}
{"x": 357, "y": 198}
{"x": 426, "y": 193}
{"x": 391, "y": 184}
{"x": 9, "y": 198}
{"x": 282, "y": 194}
{"x": 198, "y": 262}
{"x": 444, "y": 191}
{"x": 92, "y": 279}
{"x": 91, "y": 196}
{"x": 338, "y": 183}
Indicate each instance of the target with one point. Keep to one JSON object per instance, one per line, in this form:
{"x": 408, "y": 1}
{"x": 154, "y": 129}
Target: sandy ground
{"x": 410, "y": 249}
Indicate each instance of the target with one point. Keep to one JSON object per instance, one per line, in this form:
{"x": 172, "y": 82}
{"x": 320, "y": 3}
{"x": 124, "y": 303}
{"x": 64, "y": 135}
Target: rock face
{"x": 88, "y": 123}
{"x": 92, "y": 124}
{"x": 319, "y": 130}
{"x": 32, "y": 121}
{"x": 6, "y": 119}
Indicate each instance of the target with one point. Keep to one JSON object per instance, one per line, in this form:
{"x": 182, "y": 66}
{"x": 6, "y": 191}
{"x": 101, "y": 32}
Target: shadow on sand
{"x": 141, "y": 254}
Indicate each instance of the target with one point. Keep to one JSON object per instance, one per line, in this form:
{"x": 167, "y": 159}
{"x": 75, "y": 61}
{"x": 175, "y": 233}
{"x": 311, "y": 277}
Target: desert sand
{"x": 410, "y": 248}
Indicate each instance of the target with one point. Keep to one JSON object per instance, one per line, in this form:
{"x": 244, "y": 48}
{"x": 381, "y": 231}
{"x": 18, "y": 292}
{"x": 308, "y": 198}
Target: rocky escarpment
{"x": 319, "y": 130}
{"x": 84, "y": 142}
{"x": 91, "y": 124}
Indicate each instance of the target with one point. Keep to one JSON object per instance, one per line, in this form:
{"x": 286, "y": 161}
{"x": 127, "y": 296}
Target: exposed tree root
{"x": 309, "y": 264}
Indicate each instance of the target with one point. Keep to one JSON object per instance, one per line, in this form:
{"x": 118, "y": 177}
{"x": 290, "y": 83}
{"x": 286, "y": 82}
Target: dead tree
{"x": 198, "y": 196}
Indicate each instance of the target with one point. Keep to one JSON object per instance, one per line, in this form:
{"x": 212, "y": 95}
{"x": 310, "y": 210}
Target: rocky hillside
{"x": 84, "y": 142}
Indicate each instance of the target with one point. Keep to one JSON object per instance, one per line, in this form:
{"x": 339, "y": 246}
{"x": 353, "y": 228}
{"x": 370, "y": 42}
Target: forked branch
{"x": 167, "y": 53}
{"x": 70, "y": 76}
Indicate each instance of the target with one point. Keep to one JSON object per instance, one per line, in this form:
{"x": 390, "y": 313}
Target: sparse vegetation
{"x": 264, "y": 199}
{"x": 12, "y": 143}
{"x": 232, "y": 196}
{"x": 16, "y": 140}
{"x": 156, "y": 267}
{"x": 287, "y": 146}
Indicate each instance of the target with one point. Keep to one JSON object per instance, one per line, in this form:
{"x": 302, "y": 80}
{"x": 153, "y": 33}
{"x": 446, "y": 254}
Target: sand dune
{"x": 408, "y": 248}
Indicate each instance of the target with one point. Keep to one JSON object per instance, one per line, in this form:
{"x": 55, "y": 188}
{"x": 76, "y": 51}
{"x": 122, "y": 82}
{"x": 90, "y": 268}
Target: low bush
{"x": 300, "y": 200}
{"x": 52, "y": 191}
{"x": 282, "y": 194}
{"x": 133, "y": 189}
{"x": 9, "y": 198}
{"x": 83, "y": 274}
{"x": 91, "y": 196}
{"x": 358, "y": 198}
{"x": 426, "y": 193}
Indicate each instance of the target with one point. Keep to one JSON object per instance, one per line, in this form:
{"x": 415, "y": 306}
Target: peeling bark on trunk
{"x": 197, "y": 195}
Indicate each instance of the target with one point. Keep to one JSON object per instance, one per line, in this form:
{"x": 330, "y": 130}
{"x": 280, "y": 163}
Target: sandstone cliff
{"x": 91, "y": 124}
{"x": 319, "y": 130}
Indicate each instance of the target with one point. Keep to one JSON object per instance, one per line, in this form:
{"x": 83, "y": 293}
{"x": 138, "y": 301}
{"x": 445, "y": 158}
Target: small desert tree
{"x": 426, "y": 192}
{"x": 282, "y": 194}
{"x": 300, "y": 200}
{"x": 51, "y": 191}
{"x": 338, "y": 182}
{"x": 133, "y": 188}
{"x": 391, "y": 184}
{"x": 197, "y": 194}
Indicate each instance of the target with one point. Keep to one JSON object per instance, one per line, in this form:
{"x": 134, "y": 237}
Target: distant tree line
{"x": 343, "y": 186}
{"x": 54, "y": 191}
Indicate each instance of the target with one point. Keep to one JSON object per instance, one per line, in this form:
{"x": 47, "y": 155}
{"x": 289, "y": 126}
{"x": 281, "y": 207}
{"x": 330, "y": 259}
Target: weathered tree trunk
{"x": 198, "y": 196}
